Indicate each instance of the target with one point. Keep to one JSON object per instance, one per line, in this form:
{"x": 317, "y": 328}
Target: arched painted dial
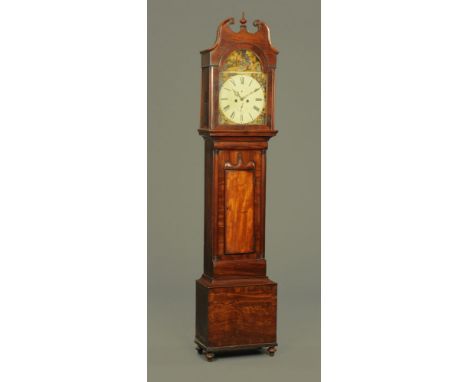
{"x": 241, "y": 99}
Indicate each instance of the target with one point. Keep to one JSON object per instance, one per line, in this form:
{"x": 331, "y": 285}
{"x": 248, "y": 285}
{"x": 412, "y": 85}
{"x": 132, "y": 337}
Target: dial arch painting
{"x": 242, "y": 93}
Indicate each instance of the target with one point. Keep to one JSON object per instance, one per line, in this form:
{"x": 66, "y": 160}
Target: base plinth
{"x": 235, "y": 315}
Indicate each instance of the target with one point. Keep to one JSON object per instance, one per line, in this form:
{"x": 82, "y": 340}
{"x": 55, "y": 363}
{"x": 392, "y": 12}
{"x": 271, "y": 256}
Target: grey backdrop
{"x": 177, "y": 31}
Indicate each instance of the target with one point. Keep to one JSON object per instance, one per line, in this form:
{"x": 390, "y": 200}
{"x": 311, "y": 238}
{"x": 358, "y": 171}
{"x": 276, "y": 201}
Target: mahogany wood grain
{"x": 239, "y": 230}
{"x": 239, "y": 268}
{"x": 243, "y": 315}
{"x": 230, "y": 315}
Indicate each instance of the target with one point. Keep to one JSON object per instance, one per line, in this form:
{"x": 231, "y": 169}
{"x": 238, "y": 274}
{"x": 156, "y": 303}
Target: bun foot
{"x": 209, "y": 356}
{"x": 271, "y": 350}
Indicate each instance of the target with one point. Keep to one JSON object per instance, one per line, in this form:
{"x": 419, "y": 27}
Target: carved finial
{"x": 243, "y": 21}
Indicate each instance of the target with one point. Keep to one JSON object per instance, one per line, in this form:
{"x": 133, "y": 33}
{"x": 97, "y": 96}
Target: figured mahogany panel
{"x": 240, "y": 227}
{"x": 239, "y": 201}
{"x": 242, "y": 315}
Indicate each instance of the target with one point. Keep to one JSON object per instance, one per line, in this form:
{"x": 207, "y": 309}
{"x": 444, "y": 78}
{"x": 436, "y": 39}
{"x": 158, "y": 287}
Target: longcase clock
{"x": 235, "y": 300}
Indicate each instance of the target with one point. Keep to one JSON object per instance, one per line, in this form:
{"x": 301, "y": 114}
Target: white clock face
{"x": 241, "y": 99}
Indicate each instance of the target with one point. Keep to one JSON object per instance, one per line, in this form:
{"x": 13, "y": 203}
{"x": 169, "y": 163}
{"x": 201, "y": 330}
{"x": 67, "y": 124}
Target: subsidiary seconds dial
{"x": 241, "y": 99}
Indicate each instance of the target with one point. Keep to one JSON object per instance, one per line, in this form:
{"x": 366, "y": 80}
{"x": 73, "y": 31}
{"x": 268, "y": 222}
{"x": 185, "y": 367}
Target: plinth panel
{"x": 236, "y": 315}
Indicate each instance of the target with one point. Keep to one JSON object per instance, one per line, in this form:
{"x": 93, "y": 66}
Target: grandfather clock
{"x": 235, "y": 300}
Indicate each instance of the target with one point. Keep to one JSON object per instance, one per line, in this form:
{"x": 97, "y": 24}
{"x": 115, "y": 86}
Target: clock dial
{"x": 241, "y": 99}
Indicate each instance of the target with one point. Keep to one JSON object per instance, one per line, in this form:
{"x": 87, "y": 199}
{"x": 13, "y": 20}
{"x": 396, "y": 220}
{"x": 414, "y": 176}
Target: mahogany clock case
{"x": 236, "y": 303}
{"x": 177, "y": 31}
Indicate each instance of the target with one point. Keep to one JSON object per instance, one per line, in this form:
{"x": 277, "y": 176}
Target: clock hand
{"x": 242, "y": 98}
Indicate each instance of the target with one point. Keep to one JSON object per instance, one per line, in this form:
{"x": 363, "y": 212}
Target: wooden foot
{"x": 209, "y": 356}
{"x": 199, "y": 350}
{"x": 271, "y": 350}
